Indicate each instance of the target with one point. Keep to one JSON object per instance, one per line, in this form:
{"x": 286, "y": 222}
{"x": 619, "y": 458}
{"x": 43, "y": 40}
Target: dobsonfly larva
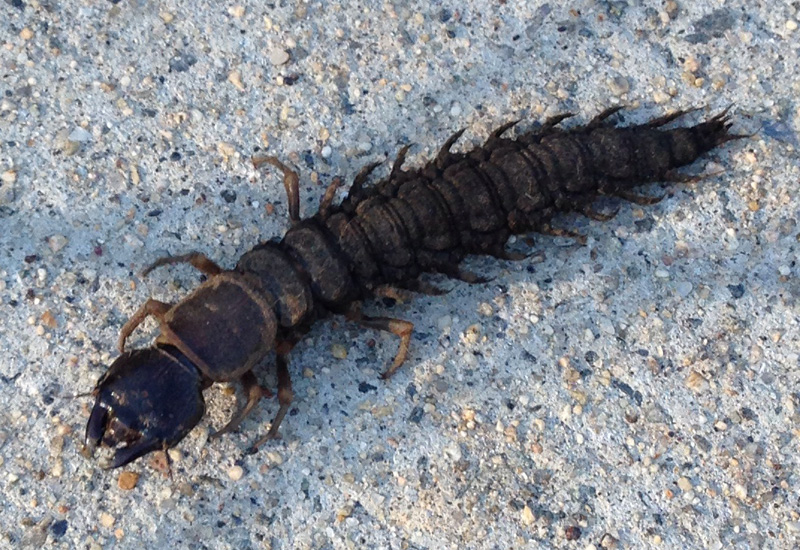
{"x": 379, "y": 239}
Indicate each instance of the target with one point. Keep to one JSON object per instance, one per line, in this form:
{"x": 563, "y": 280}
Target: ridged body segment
{"x": 428, "y": 219}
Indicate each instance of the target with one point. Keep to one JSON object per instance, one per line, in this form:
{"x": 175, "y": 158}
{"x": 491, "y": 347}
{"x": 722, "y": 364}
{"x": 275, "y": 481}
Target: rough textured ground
{"x": 636, "y": 392}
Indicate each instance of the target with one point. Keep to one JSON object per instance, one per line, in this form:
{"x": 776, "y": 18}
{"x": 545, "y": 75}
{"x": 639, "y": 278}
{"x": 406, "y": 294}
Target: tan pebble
{"x": 226, "y": 150}
{"x": 472, "y": 333}
{"x": 339, "y": 351}
{"x": 608, "y": 541}
{"x": 527, "y": 516}
{"x": 235, "y": 78}
{"x": 166, "y": 17}
{"x": 753, "y": 206}
{"x": 127, "y": 480}
{"x": 48, "y": 319}
{"x": 119, "y": 534}
{"x": 275, "y": 457}
{"x": 236, "y": 11}
{"x": 9, "y": 176}
{"x": 349, "y": 478}
{"x": 308, "y": 373}
{"x": 684, "y": 484}
{"x": 235, "y": 473}
{"x": 26, "y": 34}
{"x": 107, "y": 520}
{"x": 135, "y": 178}
{"x": 696, "y": 382}
{"x": 344, "y": 513}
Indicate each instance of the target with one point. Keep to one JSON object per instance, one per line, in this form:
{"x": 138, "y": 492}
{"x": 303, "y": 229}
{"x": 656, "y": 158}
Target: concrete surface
{"x": 637, "y": 392}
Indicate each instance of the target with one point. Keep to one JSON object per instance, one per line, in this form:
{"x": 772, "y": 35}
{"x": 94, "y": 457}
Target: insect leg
{"x": 327, "y": 199}
{"x": 199, "y": 261}
{"x": 151, "y": 307}
{"x": 593, "y": 214}
{"x": 638, "y": 199}
{"x": 291, "y": 181}
{"x": 553, "y": 121}
{"x": 361, "y": 178}
{"x": 254, "y": 393}
{"x": 444, "y": 152}
{"x": 285, "y": 398}
{"x": 398, "y": 327}
{"x": 398, "y": 163}
{"x": 547, "y": 229}
{"x": 666, "y": 119}
{"x": 502, "y": 130}
{"x": 455, "y": 272}
{"x": 598, "y": 120}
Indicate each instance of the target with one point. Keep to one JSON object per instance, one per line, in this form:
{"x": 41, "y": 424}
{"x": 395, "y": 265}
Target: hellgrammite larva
{"x": 377, "y": 241}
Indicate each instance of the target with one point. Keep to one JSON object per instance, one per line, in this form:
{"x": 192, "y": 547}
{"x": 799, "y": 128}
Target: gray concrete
{"x": 640, "y": 391}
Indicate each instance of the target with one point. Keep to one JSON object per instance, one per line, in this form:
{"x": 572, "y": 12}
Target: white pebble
{"x": 80, "y": 135}
{"x": 684, "y": 288}
{"x": 235, "y": 473}
{"x": 278, "y": 56}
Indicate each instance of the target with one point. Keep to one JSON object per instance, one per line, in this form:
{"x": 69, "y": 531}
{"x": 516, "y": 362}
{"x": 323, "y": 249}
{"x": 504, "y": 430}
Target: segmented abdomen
{"x": 428, "y": 219}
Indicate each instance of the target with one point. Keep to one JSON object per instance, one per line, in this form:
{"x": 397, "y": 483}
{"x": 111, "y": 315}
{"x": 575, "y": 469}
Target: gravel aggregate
{"x": 640, "y": 391}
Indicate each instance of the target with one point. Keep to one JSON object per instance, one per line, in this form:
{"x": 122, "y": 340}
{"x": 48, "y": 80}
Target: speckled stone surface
{"x": 637, "y": 392}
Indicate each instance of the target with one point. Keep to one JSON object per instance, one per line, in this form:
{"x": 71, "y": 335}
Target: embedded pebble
{"x": 684, "y": 288}
{"x": 127, "y": 480}
{"x": 527, "y": 516}
{"x": 235, "y": 473}
{"x": 80, "y": 135}
{"x": 107, "y": 520}
{"x": 619, "y": 85}
{"x": 339, "y": 351}
{"x": 8, "y": 176}
{"x": 57, "y": 242}
{"x": 278, "y": 56}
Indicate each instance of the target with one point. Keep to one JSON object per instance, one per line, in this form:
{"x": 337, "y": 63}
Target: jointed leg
{"x": 199, "y": 261}
{"x": 666, "y": 119}
{"x": 599, "y": 120}
{"x": 151, "y": 307}
{"x": 254, "y": 393}
{"x": 285, "y": 398}
{"x": 547, "y": 229}
{"x": 444, "y": 152}
{"x": 593, "y": 214}
{"x": 398, "y": 327}
{"x": 327, "y": 199}
{"x": 398, "y": 163}
{"x": 291, "y": 182}
{"x": 638, "y": 199}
